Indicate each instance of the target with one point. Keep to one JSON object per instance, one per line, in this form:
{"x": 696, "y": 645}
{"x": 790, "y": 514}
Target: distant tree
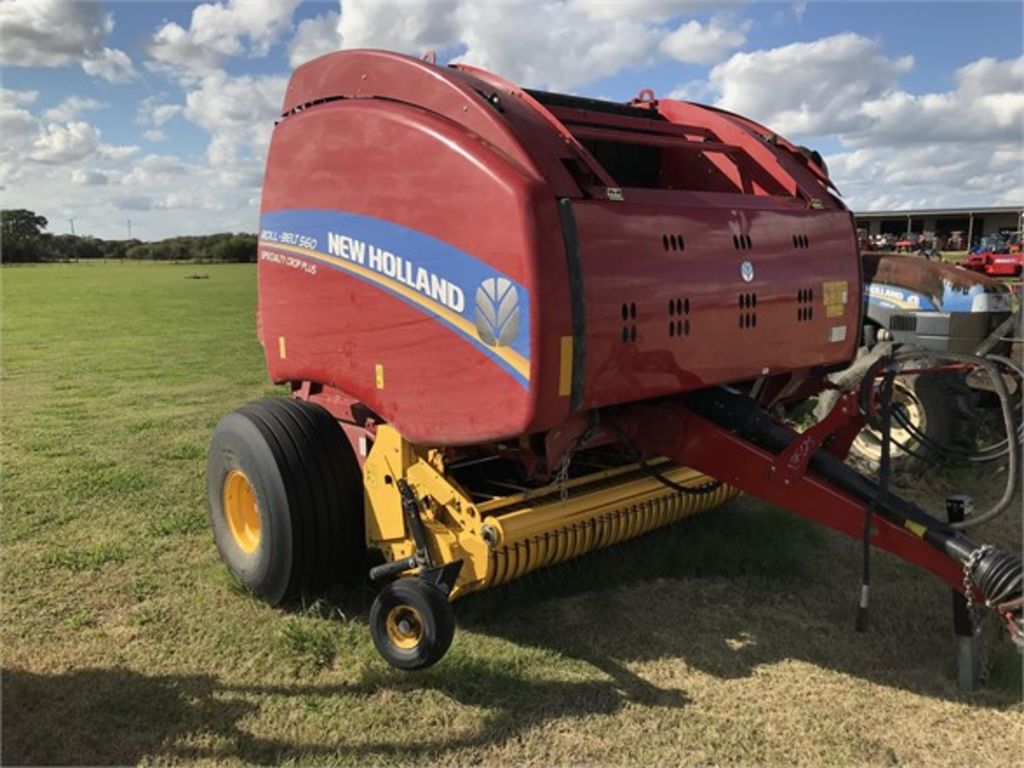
{"x": 21, "y": 235}
{"x": 234, "y": 248}
{"x": 23, "y": 239}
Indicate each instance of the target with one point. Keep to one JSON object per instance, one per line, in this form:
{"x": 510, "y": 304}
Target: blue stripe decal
{"x": 483, "y": 305}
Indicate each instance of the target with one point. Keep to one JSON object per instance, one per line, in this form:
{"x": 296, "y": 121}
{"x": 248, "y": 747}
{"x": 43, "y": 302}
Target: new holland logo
{"x": 497, "y": 312}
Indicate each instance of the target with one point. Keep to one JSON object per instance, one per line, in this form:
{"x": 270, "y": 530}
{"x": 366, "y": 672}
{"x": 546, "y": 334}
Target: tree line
{"x": 24, "y": 239}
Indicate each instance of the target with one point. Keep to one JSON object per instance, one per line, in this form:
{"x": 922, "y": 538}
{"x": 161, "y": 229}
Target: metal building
{"x": 974, "y": 223}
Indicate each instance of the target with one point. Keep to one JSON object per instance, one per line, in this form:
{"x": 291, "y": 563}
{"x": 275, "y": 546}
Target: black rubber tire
{"x": 309, "y": 497}
{"x": 949, "y": 414}
{"x": 436, "y": 618}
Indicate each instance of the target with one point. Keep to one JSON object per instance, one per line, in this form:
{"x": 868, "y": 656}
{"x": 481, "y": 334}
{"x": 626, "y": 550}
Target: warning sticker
{"x": 835, "y": 294}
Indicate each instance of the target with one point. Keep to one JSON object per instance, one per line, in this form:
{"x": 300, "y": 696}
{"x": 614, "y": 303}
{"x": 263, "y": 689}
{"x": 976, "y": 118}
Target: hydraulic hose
{"x": 701, "y": 490}
{"x": 1013, "y": 447}
{"x": 984, "y": 455}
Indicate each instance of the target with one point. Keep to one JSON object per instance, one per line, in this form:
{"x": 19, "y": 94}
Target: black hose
{"x": 866, "y": 392}
{"x": 700, "y": 490}
{"x": 984, "y": 455}
{"x": 638, "y": 457}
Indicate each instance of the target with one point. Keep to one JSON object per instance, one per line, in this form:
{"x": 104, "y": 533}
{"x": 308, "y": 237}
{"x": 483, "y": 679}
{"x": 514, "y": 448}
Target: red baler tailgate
{"x": 683, "y": 297}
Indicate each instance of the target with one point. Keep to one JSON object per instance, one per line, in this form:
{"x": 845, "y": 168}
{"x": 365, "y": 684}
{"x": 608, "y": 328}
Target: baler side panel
{"x": 698, "y": 322}
{"x": 371, "y": 264}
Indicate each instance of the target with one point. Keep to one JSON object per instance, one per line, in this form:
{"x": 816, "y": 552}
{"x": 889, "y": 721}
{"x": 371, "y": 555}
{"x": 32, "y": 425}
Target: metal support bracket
{"x": 968, "y": 638}
{"x": 443, "y": 576}
{"x": 838, "y": 429}
{"x": 413, "y": 521}
{"x": 411, "y": 512}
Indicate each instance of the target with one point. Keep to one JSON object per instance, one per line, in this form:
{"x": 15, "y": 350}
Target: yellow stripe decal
{"x": 518, "y": 363}
{"x": 915, "y": 528}
{"x": 565, "y": 368}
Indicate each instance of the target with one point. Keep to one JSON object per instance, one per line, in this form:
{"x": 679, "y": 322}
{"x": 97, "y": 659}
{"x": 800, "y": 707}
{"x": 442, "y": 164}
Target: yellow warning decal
{"x": 835, "y": 291}
{"x": 836, "y": 295}
{"x": 378, "y": 375}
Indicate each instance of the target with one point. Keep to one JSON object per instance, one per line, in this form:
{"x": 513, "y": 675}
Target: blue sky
{"x": 161, "y": 112}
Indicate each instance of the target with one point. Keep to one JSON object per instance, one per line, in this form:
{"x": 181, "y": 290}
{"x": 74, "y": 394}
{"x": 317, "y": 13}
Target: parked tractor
{"x": 519, "y": 326}
{"x": 916, "y": 304}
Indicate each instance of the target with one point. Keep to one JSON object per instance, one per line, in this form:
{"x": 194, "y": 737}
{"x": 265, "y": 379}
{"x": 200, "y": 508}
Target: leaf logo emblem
{"x": 497, "y": 312}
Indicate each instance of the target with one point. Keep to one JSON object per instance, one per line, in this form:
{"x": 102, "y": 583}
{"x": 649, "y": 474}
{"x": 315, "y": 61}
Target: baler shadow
{"x": 118, "y": 716}
{"x": 732, "y": 591}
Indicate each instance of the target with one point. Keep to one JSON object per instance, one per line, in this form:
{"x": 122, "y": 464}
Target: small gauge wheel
{"x": 412, "y": 623}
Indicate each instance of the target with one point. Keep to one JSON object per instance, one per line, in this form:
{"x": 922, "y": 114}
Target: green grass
{"x": 727, "y": 638}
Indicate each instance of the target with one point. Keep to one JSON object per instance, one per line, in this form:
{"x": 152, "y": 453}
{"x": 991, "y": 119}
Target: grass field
{"x": 727, "y": 639}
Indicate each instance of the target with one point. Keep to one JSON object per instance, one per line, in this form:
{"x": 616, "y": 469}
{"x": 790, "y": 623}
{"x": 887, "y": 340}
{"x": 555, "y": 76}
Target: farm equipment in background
{"x": 996, "y": 256}
{"x": 520, "y": 326}
{"x": 916, "y": 304}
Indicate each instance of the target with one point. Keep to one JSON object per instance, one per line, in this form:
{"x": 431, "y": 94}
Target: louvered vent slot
{"x": 628, "y": 313}
{"x": 678, "y": 318}
{"x": 748, "y": 317}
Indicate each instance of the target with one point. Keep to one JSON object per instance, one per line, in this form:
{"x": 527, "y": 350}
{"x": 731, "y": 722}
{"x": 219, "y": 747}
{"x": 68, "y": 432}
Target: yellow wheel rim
{"x": 242, "y": 512}
{"x": 404, "y": 627}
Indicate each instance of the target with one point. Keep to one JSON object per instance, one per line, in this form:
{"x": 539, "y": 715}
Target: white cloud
{"x": 694, "y": 90}
{"x": 154, "y": 111}
{"x": 899, "y": 149}
{"x": 65, "y": 143}
{"x": 88, "y": 178}
{"x": 560, "y": 44}
{"x": 15, "y": 123}
{"x": 315, "y": 37}
{"x": 117, "y": 151}
{"x": 154, "y": 135}
{"x": 134, "y": 203}
{"x": 844, "y": 85}
{"x": 238, "y": 112}
{"x": 650, "y": 10}
{"x": 112, "y": 65}
{"x": 697, "y": 43}
{"x": 217, "y": 31}
{"x": 50, "y": 33}
{"x": 142, "y": 188}
{"x": 929, "y": 175}
{"x": 19, "y": 98}
{"x": 56, "y": 33}
{"x": 164, "y": 112}
{"x": 811, "y": 88}
{"x": 566, "y": 49}
{"x": 71, "y": 108}
{"x": 411, "y": 26}
{"x": 986, "y": 105}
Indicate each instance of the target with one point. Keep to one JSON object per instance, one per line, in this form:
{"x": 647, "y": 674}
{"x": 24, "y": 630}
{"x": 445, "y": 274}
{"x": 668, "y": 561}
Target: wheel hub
{"x": 242, "y": 511}
{"x": 404, "y": 627}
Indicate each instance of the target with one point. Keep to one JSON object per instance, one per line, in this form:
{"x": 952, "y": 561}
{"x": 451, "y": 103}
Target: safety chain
{"x": 969, "y": 566}
{"x": 562, "y": 476}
